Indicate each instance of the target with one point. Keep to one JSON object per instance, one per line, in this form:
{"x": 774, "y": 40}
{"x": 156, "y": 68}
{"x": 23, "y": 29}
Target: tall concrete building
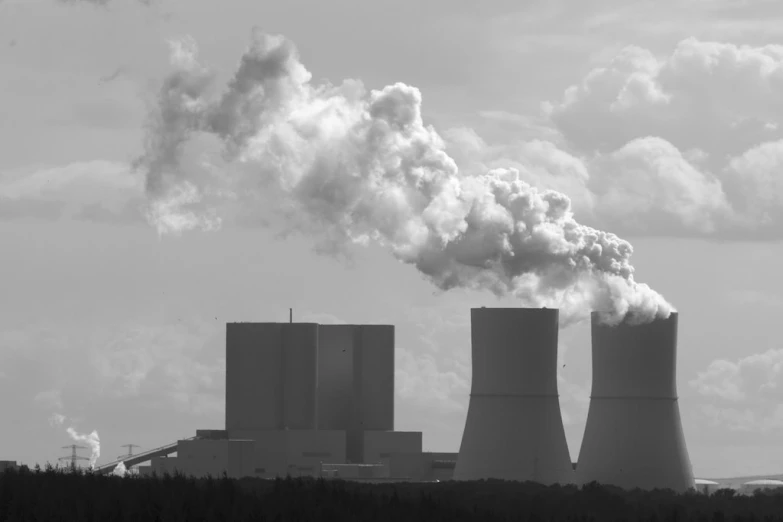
{"x": 633, "y": 437}
{"x": 514, "y": 429}
{"x": 271, "y": 376}
{"x": 356, "y": 382}
{"x": 306, "y": 394}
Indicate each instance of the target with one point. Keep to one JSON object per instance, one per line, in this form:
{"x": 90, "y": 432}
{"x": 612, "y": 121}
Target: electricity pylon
{"x": 73, "y": 457}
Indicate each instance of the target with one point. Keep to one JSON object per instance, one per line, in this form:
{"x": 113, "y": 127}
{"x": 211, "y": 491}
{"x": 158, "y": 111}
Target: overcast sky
{"x": 660, "y": 120}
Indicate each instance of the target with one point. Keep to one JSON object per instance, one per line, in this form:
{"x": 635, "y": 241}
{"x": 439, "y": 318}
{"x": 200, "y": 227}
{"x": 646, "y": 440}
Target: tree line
{"x": 75, "y": 496}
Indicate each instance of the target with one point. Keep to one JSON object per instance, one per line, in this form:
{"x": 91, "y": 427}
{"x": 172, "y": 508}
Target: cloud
{"x": 750, "y": 391}
{"x": 419, "y": 378}
{"x": 176, "y": 362}
{"x": 56, "y": 419}
{"x": 759, "y": 376}
{"x": 95, "y": 190}
{"x": 49, "y": 399}
{"x": 151, "y": 363}
{"x": 642, "y": 150}
{"x": 718, "y": 97}
{"x": 350, "y": 166}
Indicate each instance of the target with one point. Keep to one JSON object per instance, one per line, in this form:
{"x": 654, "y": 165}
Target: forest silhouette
{"x": 75, "y": 496}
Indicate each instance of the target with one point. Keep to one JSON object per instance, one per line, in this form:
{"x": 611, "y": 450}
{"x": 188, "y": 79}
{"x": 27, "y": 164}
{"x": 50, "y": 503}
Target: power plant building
{"x": 311, "y": 399}
{"x": 299, "y": 395}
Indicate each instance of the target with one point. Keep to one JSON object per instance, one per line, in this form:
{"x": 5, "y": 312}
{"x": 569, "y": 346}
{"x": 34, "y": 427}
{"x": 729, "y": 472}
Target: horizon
{"x": 405, "y": 164}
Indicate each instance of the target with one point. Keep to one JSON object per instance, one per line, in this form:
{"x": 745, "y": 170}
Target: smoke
{"x": 92, "y": 440}
{"x": 120, "y": 470}
{"x": 354, "y": 166}
{"x": 56, "y": 419}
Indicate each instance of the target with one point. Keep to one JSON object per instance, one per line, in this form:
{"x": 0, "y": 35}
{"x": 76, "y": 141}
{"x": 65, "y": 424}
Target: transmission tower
{"x": 130, "y": 450}
{"x": 73, "y": 457}
{"x": 130, "y": 447}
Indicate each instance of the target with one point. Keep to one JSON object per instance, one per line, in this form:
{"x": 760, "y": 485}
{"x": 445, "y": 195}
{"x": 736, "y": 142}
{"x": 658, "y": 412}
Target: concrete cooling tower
{"x": 514, "y": 430}
{"x": 634, "y": 437}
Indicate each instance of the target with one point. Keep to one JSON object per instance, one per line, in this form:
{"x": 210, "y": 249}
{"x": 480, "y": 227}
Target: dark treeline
{"x": 27, "y": 495}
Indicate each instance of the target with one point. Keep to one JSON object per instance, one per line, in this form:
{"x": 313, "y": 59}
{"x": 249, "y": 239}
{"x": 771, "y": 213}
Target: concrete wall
{"x": 8, "y": 464}
{"x": 300, "y": 371}
{"x": 514, "y": 429}
{"x": 200, "y": 458}
{"x": 374, "y": 383}
{"x": 212, "y": 434}
{"x": 422, "y": 466}
{"x": 356, "y": 377}
{"x": 356, "y": 471}
{"x": 294, "y": 452}
{"x": 380, "y": 445}
{"x": 633, "y": 436}
{"x": 335, "y": 376}
{"x": 164, "y": 465}
{"x": 271, "y": 376}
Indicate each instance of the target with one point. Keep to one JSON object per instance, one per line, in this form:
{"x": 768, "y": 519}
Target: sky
{"x": 149, "y": 194}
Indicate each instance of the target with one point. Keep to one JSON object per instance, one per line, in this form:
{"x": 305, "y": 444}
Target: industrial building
{"x": 318, "y": 400}
{"x": 8, "y": 465}
{"x": 633, "y": 437}
{"x": 305, "y": 399}
{"x": 514, "y": 429}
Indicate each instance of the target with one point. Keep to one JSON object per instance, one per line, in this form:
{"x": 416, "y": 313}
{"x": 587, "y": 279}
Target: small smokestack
{"x": 290, "y": 315}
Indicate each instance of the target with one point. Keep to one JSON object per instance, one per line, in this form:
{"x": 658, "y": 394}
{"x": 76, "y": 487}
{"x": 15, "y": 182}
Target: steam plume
{"x": 91, "y": 440}
{"x": 355, "y": 166}
{"x": 56, "y": 419}
{"x": 120, "y": 470}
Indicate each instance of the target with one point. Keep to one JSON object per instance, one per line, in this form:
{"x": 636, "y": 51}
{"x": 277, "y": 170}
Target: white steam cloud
{"x": 92, "y": 440}
{"x": 120, "y": 470}
{"x": 354, "y": 166}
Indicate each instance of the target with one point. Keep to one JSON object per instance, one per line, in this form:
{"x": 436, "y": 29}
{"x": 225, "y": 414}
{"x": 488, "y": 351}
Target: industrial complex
{"x": 306, "y": 399}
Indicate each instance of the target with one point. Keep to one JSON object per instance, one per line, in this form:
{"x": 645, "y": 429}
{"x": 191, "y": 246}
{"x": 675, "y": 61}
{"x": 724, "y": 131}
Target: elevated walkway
{"x": 141, "y": 457}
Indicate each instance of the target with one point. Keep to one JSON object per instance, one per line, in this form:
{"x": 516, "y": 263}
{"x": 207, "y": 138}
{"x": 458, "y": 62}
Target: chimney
{"x": 290, "y": 315}
{"x": 514, "y": 430}
{"x": 633, "y": 437}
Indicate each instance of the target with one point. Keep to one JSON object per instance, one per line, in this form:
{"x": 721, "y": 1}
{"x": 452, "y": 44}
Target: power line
{"x": 130, "y": 450}
{"x": 73, "y": 457}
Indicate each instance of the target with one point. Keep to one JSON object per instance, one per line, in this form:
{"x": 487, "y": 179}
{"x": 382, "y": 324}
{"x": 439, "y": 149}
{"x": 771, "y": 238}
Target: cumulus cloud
{"x": 718, "y": 97}
{"x": 352, "y": 166}
{"x": 177, "y": 366}
{"x": 99, "y": 191}
{"x": 685, "y": 144}
{"x": 751, "y": 390}
{"x": 424, "y": 377}
{"x": 176, "y": 362}
{"x": 759, "y": 376}
{"x": 419, "y": 378}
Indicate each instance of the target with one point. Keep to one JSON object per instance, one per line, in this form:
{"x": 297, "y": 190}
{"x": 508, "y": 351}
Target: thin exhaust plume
{"x": 92, "y": 440}
{"x": 56, "y": 419}
{"x": 354, "y": 166}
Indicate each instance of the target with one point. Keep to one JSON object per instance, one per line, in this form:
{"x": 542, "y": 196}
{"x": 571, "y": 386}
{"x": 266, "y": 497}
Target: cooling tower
{"x": 514, "y": 430}
{"x": 633, "y": 437}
